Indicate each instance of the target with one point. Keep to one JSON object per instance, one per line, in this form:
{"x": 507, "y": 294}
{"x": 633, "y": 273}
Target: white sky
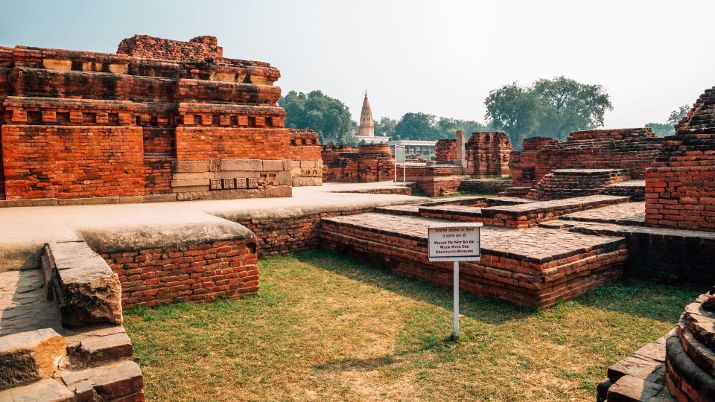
{"x": 438, "y": 57}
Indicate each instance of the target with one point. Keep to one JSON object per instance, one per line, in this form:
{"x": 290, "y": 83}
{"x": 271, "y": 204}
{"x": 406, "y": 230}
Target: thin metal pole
{"x": 455, "y": 287}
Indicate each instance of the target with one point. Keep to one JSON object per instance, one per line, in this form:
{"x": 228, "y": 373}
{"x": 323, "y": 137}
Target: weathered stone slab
{"x": 26, "y": 357}
{"x": 273, "y": 165}
{"x": 107, "y": 382}
{"x": 86, "y": 289}
{"x": 242, "y": 164}
{"x": 48, "y": 390}
{"x": 190, "y": 166}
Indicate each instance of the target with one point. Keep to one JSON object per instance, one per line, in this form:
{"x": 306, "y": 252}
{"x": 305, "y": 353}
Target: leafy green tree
{"x": 328, "y": 116}
{"x": 677, "y": 114}
{"x": 514, "y": 110}
{"x": 551, "y": 108}
{"x": 668, "y": 128}
{"x": 417, "y": 126}
{"x": 385, "y": 127}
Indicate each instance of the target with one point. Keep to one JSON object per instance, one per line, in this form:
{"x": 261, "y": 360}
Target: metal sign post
{"x": 454, "y": 242}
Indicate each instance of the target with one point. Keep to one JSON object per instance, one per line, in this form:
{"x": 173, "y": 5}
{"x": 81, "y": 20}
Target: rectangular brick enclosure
{"x": 80, "y": 124}
{"x": 529, "y": 267}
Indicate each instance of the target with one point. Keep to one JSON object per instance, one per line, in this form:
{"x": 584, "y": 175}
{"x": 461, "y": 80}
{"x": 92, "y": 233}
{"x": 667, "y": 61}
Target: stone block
{"x": 216, "y": 184}
{"x": 308, "y": 164}
{"x": 252, "y": 182}
{"x": 86, "y": 290}
{"x": 26, "y": 357}
{"x": 284, "y": 178}
{"x": 273, "y": 165}
{"x": 229, "y": 184}
{"x": 111, "y": 382}
{"x": 241, "y": 183}
{"x": 53, "y": 64}
{"x": 242, "y": 164}
{"x": 190, "y": 166}
{"x": 48, "y": 390}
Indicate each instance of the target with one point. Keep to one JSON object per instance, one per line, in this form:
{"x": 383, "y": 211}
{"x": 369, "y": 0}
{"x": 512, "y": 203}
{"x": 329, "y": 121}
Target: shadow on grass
{"x": 478, "y": 308}
{"x": 632, "y": 297}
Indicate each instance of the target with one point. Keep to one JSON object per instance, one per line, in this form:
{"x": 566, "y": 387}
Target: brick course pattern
{"x": 366, "y": 163}
{"x": 201, "y": 272}
{"x": 446, "y": 150}
{"x": 680, "y": 184}
{"x": 307, "y": 164}
{"x": 532, "y": 267}
{"x": 633, "y": 149}
{"x": 565, "y": 183}
{"x": 522, "y": 164}
{"x": 180, "y": 101}
{"x": 488, "y": 154}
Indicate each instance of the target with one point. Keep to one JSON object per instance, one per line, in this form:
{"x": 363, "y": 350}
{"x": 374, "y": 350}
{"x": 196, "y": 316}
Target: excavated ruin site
{"x": 163, "y": 172}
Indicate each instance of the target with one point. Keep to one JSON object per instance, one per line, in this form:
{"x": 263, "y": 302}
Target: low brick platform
{"x": 484, "y": 186}
{"x": 631, "y": 213}
{"x": 565, "y": 183}
{"x": 520, "y": 215}
{"x": 661, "y": 254}
{"x": 160, "y": 265}
{"x": 532, "y": 267}
{"x": 635, "y": 189}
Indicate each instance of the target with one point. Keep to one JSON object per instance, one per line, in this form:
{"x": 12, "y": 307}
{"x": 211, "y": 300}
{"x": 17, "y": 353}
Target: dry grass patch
{"x": 328, "y": 328}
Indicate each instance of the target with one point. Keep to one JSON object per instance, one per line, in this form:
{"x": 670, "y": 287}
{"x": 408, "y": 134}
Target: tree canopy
{"x": 668, "y": 128}
{"x": 422, "y": 126}
{"x": 328, "y": 116}
{"x": 551, "y": 108}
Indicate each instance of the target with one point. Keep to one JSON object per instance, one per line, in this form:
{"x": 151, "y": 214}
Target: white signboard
{"x": 400, "y": 154}
{"x": 454, "y": 242}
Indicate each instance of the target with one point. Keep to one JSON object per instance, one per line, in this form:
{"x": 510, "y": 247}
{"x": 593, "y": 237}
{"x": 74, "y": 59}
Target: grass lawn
{"x": 328, "y": 328}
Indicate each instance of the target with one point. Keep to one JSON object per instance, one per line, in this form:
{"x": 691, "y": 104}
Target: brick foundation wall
{"x": 202, "y": 272}
{"x": 188, "y": 101}
{"x": 367, "y": 163}
{"x": 287, "y": 234}
{"x": 565, "y": 183}
{"x": 72, "y": 162}
{"x": 633, "y": 149}
{"x": 488, "y": 154}
{"x": 446, "y": 150}
{"x": 483, "y": 186}
{"x": 680, "y": 184}
{"x": 524, "y": 283}
{"x": 307, "y": 165}
{"x": 522, "y": 164}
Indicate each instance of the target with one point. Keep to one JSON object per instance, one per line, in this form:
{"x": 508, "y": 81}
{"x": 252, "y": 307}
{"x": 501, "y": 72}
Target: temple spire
{"x": 367, "y": 124}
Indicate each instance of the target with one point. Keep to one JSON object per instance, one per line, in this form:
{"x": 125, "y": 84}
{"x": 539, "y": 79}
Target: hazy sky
{"x": 439, "y": 57}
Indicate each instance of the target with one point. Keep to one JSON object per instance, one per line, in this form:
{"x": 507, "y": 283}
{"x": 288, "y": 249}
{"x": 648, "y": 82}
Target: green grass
{"x": 324, "y": 327}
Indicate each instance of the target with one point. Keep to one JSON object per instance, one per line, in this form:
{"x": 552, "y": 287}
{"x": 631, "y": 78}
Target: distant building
{"x": 416, "y": 150}
{"x": 367, "y": 126}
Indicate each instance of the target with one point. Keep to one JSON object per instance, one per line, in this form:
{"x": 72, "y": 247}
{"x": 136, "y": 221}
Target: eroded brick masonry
{"x": 84, "y": 124}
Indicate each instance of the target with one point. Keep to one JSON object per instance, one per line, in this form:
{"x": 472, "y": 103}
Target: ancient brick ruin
{"x": 160, "y": 119}
{"x": 522, "y": 164}
{"x": 488, "y": 154}
{"x": 366, "y": 163}
{"x": 680, "y": 185}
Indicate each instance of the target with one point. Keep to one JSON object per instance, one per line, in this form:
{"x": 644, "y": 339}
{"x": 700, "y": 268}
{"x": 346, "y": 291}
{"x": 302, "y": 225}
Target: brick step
{"x": 98, "y": 346}
{"x": 634, "y": 389}
{"x": 109, "y": 382}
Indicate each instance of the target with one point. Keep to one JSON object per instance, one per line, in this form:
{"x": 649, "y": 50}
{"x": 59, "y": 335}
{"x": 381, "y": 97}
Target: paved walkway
{"x": 23, "y": 230}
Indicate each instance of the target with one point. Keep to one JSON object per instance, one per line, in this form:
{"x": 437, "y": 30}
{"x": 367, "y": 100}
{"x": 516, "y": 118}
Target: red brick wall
{"x": 199, "y": 143}
{"x": 446, "y": 150}
{"x": 157, "y": 174}
{"x": 367, "y": 163}
{"x": 304, "y": 145}
{"x": 198, "y": 49}
{"x": 632, "y": 149}
{"x": 72, "y": 162}
{"x": 197, "y": 273}
{"x": 522, "y": 164}
{"x": 488, "y": 154}
{"x": 680, "y": 184}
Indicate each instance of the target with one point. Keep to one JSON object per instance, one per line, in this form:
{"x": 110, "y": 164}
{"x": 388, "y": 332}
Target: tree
{"x": 316, "y": 111}
{"x": 417, "y": 126}
{"x": 385, "y": 127}
{"x": 552, "y": 108}
{"x": 668, "y": 128}
{"x": 677, "y": 114}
